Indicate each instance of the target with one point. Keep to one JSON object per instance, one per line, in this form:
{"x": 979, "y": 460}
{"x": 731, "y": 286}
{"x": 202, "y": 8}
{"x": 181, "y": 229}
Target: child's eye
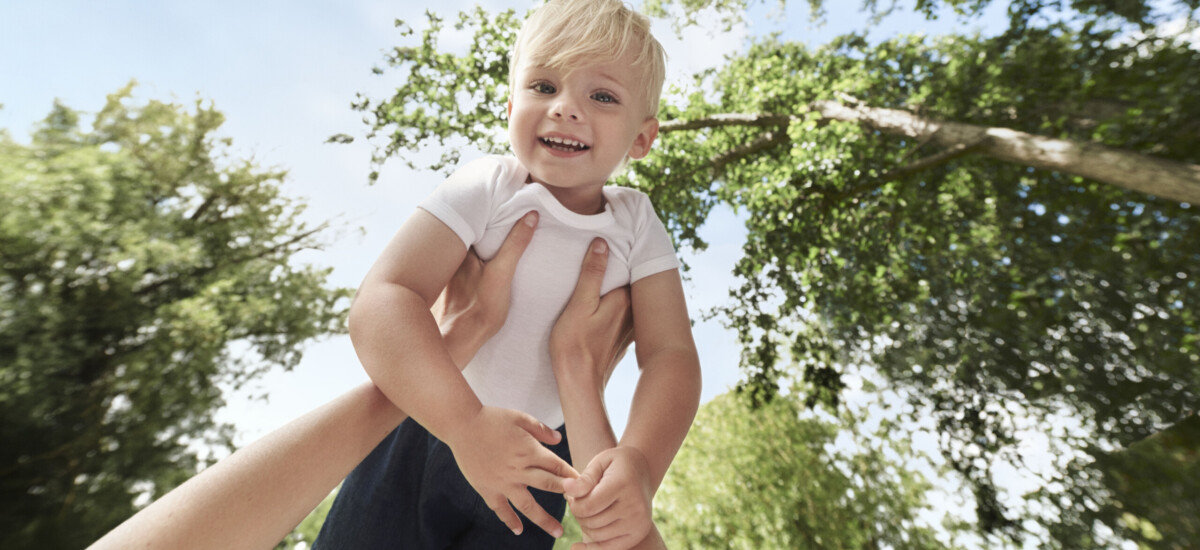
{"x": 604, "y": 97}
{"x": 543, "y": 87}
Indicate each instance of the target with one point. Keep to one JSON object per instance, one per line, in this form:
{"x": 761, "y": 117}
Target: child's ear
{"x": 644, "y": 139}
{"x": 509, "y": 108}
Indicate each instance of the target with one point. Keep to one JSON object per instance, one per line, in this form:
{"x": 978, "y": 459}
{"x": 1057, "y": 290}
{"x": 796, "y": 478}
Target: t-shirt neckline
{"x": 564, "y": 214}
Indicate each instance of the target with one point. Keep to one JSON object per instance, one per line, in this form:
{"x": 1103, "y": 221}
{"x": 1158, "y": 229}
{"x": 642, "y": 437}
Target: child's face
{"x": 572, "y": 129}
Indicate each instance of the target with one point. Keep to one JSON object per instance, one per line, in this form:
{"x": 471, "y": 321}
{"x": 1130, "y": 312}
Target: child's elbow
{"x": 687, "y": 373}
{"x": 358, "y": 320}
{"x": 696, "y": 376}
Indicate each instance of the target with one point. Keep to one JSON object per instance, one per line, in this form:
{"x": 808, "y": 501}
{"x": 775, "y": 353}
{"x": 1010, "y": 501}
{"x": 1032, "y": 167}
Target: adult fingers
{"x": 504, "y": 263}
{"x": 591, "y": 277}
{"x": 536, "y": 514}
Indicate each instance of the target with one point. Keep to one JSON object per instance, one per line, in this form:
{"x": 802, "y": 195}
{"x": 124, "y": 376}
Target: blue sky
{"x": 284, "y": 74}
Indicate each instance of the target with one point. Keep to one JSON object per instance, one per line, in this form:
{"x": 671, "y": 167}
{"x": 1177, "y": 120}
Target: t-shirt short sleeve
{"x": 652, "y": 249}
{"x": 464, "y": 201}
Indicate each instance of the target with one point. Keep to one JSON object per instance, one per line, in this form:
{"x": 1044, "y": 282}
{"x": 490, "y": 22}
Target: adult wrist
{"x": 578, "y": 374}
{"x": 464, "y": 334}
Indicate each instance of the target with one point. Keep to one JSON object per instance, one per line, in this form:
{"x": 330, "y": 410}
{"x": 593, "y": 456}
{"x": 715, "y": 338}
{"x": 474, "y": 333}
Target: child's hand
{"x": 499, "y": 454}
{"x": 611, "y": 499}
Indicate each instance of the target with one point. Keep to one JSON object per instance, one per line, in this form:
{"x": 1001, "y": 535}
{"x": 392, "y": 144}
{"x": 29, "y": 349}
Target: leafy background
{"x": 285, "y": 75}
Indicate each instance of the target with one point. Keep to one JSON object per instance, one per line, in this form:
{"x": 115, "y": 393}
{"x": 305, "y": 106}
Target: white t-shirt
{"x": 480, "y": 202}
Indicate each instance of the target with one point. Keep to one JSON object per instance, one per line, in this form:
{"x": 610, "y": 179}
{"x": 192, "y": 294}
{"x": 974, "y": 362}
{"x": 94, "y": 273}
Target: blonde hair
{"x": 564, "y": 34}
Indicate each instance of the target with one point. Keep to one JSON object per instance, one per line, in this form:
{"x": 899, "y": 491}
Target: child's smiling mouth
{"x": 565, "y": 145}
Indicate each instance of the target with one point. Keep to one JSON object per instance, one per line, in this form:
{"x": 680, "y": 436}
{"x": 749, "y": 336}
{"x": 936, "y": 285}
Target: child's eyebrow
{"x": 614, "y": 80}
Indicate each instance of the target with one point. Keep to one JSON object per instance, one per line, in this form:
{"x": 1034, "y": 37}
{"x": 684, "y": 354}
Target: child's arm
{"x": 402, "y": 350}
{"x": 668, "y": 390}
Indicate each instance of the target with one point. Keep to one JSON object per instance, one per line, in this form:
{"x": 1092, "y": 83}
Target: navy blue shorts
{"x": 409, "y": 493}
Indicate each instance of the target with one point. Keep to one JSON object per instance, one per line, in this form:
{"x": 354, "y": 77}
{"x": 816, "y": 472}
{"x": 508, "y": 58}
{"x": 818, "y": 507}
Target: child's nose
{"x": 565, "y": 109}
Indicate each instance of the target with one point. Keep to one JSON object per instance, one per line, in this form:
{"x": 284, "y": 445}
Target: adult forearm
{"x": 664, "y": 405}
{"x": 254, "y": 497}
{"x": 401, "y": 349}
{"x": 588, "y": 427}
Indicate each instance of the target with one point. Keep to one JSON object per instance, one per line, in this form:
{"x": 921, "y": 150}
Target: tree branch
{"x": 762, "y": 143}
{"x": 208, "y": 202}
{"x": 1126, "y": 169}
{"x": 200, "y": 272}
{"x": 930, "y": 161}
{"x": 728, "y": 119}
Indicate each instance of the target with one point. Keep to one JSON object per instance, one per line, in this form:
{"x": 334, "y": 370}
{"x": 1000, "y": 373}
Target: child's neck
{"x": 586, "y": 201}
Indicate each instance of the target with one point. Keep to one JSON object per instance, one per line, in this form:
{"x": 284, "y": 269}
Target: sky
{"x": 284, "y": 74}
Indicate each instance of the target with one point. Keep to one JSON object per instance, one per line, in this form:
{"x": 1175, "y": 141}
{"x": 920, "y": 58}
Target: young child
{"x": 585, "y": 80}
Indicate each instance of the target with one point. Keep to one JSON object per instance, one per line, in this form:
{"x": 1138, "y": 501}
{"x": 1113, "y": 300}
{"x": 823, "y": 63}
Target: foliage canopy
{"x": 772, "y": 477}
{"x": 140, "y": 267}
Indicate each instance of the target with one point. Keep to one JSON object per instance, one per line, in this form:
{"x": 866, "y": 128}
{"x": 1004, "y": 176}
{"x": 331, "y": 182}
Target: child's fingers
{"x": 504, "y": 263}
{"x": 579, "y": 487}
{"x": 620, "y": 543}
{"x": 500, "y": 506}
{"x": 598, "y": 497}
{"x": 532, "y": 510}
{"x": 539, "y": 431}
{"x": 612, "y": 529}
{"x": 603, "y": 495}
{"x": 538, "y": 478}
{"x": 600, "y": 526}
{"x": 546, "y": 460}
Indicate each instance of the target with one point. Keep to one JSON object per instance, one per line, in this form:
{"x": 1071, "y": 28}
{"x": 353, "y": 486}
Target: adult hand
{"x": 593, "y": 332}
{"x": 474, "y": 304}
{"x": 612, "y": 497}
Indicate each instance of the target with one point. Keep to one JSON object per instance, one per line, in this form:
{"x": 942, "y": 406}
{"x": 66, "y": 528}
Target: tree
{"x": 1022, "y": 13}
{"x": 990, "y": 285}
{"x": 772, "y": 477}
{"x": 140, "y": 267}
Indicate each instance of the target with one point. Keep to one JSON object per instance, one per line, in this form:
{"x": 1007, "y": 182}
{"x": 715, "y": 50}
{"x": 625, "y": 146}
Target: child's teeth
{"x": 569, "y": 142}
